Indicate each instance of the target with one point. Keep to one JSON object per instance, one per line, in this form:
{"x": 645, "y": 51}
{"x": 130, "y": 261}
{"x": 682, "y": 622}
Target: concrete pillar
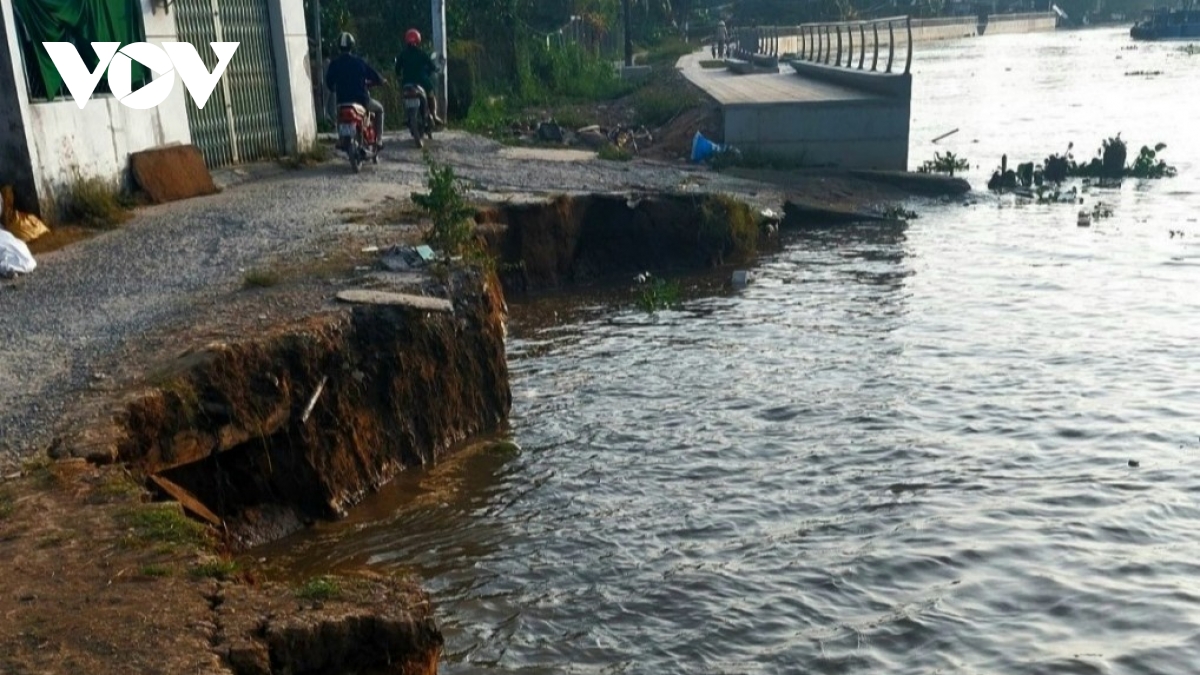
{"x": 440, "y": 46}
{"x": 294, "y": 74}
{"x": 16, "y": 168}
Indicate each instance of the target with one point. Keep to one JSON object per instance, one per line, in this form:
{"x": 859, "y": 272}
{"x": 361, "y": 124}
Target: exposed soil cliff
{"x": 298, "y": 423}
{"x": 578, "y": 240}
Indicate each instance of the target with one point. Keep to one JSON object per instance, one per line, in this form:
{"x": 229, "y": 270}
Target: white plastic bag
{"x": 15, "y": 257}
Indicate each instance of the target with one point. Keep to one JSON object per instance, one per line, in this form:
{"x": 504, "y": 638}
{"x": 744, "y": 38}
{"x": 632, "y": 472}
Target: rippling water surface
{"x": 904, "y": 450}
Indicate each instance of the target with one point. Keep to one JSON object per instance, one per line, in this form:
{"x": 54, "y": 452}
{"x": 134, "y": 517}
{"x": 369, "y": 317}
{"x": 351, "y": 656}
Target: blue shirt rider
{"x": 349, "y": 77}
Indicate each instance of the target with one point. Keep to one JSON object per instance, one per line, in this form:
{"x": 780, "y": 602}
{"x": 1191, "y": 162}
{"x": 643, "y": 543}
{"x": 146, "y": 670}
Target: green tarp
{"x": 80, "y": 22}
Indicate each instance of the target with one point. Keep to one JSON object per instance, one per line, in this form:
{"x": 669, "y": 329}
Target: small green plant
{"x": 162, "y": 524}
{"x": 320, "y": 588}
{"x": 94, "y": 202}
{"x": 314, "y": 156}
{"x": 657, "y": 293}
{"x": 1148, "y": 165}
{"x": 260, "y": 278}
{"x": 156, "y": 571}
{"x": 947, "y": 163}
{"x": 221, "y": 570}
{"x": 453, "y": 227}
{"x": 613, "y": 153}
{"x": 896, "y": 212}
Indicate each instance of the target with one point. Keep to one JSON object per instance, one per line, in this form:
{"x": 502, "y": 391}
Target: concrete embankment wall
{"x": 933, "y": 30}
{"x": 929, "y": 30}
{"x": 867, "y": 134}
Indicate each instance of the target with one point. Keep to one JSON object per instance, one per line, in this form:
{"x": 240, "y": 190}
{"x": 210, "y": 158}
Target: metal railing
{"x": 833, "y": 44}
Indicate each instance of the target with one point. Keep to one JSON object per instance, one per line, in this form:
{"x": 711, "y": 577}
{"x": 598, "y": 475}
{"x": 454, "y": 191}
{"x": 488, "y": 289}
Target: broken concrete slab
{"x": 368, "y": 297}
{"x": 172, "y": 173}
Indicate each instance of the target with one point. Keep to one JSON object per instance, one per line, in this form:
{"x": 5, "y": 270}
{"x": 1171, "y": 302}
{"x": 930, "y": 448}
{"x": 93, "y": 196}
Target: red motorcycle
{"x": 356, "y": 135}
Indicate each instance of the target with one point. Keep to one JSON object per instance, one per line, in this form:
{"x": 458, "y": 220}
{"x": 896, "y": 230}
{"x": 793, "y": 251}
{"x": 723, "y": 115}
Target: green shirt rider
{"x": 415, "y": 66}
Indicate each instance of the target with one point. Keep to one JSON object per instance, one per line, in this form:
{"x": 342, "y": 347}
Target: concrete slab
{"x": 729, "y": 88}
{"x": 368, "y": 297}
{"x": 547, "y": 154}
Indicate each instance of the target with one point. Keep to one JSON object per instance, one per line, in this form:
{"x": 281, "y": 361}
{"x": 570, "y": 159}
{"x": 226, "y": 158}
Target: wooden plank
{"x": 186, "y": 500}
{"x": 368, "y": 297}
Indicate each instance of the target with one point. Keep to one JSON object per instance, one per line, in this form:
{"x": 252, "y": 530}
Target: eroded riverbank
{"x": 275, "y": 407}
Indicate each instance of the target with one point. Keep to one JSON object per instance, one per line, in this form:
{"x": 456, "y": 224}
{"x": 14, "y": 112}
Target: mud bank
{"x": 99, "y": 580}
{"x": 262, "y": 435}
{"x": 578, "y": 240}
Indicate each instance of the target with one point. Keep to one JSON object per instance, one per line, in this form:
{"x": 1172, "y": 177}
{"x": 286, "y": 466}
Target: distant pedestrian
{"x": 722, "y": 39}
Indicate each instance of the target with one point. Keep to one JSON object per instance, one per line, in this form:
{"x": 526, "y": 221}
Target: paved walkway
{"x": 729, "y": 88}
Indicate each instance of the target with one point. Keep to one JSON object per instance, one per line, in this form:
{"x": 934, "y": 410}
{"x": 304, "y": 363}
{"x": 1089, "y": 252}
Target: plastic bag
{"x": 26, "y": 226}
{"x": 15, "y": 257}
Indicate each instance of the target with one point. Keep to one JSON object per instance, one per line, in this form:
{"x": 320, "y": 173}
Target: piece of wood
{"x": 313, "y": 401}
{"x": 945, "y": 135}
{"x": 367, "y": 297}
{"x": 172, "y": 173}
{"x": 186, "y": 499}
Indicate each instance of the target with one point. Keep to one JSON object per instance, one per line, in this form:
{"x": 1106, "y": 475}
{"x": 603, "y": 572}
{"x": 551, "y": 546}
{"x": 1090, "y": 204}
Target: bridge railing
{"x": 836, "y": 44}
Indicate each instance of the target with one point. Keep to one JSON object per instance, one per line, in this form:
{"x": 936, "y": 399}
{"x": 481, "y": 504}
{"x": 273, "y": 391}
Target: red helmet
{"x": 412, "y": 37}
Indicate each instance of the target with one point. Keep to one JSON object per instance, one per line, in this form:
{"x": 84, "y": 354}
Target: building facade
{"x": 261, "y": 108}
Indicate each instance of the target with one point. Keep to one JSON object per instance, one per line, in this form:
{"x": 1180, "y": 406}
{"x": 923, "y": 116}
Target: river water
{"x": 903, "y": 450}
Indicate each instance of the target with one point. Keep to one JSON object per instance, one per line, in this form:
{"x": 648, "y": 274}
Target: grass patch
{"x": 320, "y": 588}
{"x": 118, "y": 486}
{"x": 162, "y": 525}
{"x": 316, "y": 155}
{"x": 260, "y": 278}
{"x": 221, "y": 570}
{"x": 667, "y": 52}
{"x": 95, "y": 202}
{"x": 612, "y": 153}
{"x": 41, "y": 470}
{"x": 658, "y": 294}
{"x": 714, "y": 64}
{"x": 7, "y": 504}
{"x": 657, "y": 103}
{"x": 156, "y": 571}
{"x": 728, "y": 229}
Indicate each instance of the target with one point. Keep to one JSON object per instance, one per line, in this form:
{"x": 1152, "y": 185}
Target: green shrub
{"x": 446, "y": 205}
{"x": 612, "y": 153}
{"x": 94, "y": 202}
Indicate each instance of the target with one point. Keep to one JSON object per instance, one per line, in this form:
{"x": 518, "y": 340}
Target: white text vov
{"x": 163, "y": 61}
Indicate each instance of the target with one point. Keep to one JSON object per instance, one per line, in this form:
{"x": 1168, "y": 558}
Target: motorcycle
{"x": 356, "y": 135}
{"x": 417, "y": 113}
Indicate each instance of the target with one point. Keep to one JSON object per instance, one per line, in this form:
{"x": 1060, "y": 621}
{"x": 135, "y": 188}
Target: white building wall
{"x": 66, "y": 142}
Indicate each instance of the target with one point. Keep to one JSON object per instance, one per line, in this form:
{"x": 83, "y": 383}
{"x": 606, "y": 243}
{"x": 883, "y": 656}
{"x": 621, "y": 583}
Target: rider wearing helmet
{"x": 415, "y": 66}
{"x": 349, "y": 76}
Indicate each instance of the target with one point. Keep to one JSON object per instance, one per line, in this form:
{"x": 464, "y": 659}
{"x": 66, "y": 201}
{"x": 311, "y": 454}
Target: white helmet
{"x": 346, "y": 42}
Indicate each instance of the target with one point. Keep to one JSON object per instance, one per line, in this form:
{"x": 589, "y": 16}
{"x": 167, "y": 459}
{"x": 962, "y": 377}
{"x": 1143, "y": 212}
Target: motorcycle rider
{"x": 415, "y": 66}
{"x": 348, "y": 76}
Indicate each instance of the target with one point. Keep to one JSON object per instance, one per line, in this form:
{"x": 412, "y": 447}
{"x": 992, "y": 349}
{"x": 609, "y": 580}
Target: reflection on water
{"x": 903, "y": 450}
